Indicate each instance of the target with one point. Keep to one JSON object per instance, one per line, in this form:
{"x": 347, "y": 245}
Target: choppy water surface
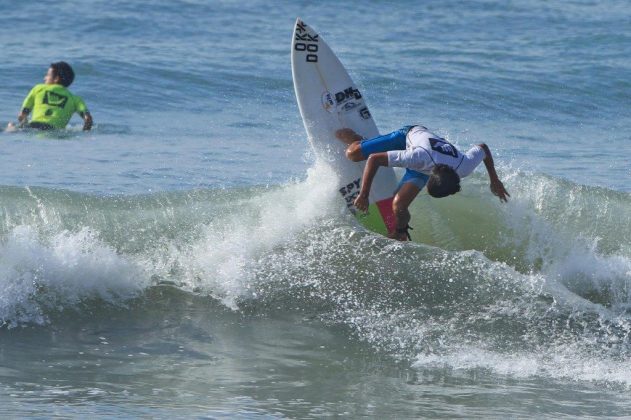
{"x": 189, "y": 256}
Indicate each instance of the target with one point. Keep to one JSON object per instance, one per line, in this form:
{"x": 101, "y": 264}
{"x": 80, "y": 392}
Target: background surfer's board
{"x": 329, "y": 100}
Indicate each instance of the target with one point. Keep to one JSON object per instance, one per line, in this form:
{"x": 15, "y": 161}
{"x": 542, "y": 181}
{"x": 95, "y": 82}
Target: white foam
{"x": 556, "y": 362}
{"x": 40, "y": 274}
{"x": 543, "y": 226}
{"x": 223, "y": 261}
{"x": 583, "y": 269}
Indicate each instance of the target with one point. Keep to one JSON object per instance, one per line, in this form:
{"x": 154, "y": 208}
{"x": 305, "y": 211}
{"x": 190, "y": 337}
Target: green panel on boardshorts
{"x": 372, "y": 220}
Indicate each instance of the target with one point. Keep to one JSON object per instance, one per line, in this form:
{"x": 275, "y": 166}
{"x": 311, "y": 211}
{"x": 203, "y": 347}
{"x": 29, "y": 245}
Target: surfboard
{"x": 329, "y": 100}
{"x": 11, "y": 127}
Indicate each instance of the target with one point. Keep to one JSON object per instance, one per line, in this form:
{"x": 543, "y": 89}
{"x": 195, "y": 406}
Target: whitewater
{"x": 191, "y": 257}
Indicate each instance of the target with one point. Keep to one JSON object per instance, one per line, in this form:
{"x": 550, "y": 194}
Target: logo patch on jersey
{"x": 443, "y": 147}
{"x": 54, "y": 99}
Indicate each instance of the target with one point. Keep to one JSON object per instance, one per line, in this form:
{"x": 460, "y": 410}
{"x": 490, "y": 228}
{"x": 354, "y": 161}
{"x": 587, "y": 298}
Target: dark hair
{"x": 443, "y": 181}
{"x": 64, "y": 72}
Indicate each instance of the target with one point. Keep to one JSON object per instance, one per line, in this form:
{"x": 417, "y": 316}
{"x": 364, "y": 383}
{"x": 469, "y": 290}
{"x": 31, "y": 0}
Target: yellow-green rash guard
{"x": 53, "y": 105}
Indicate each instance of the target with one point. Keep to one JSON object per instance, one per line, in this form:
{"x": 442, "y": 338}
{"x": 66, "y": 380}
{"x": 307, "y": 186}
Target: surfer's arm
{"x": 497, "y": 187}
{"x": 370, "y": 170}
{"x": 87, "y": 120}
{"x": 83, "y": 112}
{"x": 28, "y": 104}
{"x": 23, "y": 115}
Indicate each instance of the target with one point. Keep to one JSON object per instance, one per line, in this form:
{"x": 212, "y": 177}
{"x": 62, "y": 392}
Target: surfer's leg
{"x": 406, "y": 194}
{"x": 360, "y": 150}
{"x": 409, "y": 187}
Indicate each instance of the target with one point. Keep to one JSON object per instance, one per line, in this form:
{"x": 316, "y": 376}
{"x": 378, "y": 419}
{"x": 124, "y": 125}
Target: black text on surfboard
{"x": 347, "y": 94}
{"x": 306, "y": 42}
{"x": 350, "y": 193}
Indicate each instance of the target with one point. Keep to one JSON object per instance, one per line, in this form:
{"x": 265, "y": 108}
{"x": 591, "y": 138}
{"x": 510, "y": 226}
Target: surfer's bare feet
{"x": 347, "y": 135}
{"x": 403, "y": 237}
{"x": 353, "y": 140}
{"x": 401, "y": 234}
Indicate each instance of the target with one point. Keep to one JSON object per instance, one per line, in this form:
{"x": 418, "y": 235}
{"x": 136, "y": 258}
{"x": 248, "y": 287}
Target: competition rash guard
{"x": 424, "y": 150}
{"x": 53, "y": 105}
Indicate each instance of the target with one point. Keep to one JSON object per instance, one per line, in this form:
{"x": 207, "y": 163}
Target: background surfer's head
{"x": 443, "y": 181}
{"x": 59, "y": 73}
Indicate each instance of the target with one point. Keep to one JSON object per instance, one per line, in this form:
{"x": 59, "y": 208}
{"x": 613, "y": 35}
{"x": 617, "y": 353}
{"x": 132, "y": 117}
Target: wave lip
{"x": 39, "y": 275}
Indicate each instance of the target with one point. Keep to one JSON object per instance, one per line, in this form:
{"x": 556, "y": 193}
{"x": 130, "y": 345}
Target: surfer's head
{"x": 443, "y": 181}
{"x": 59, "y": 73}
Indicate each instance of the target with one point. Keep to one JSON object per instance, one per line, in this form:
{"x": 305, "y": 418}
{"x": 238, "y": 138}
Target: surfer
{"x": 429, "y": 161}
{"x": 52, "y": 103}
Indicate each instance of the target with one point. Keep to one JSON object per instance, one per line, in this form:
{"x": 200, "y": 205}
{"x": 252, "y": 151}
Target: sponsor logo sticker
{"x": 327, "y": 101}
{"x": 349, "y": 105}
{"x": 364, "y": 113}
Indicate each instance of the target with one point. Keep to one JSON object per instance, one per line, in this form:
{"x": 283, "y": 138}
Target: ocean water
{"x": 190, "y": 257}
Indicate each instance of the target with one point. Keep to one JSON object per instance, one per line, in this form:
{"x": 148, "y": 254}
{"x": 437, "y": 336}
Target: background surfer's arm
{"x": 497, "y": 187}
{"x": 23, "y": 114}
{"x": 372, "y": 164}
{"x": 87, "y": 121}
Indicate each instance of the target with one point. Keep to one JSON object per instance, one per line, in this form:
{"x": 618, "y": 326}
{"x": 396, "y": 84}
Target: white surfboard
{"x": 329, "y": 100}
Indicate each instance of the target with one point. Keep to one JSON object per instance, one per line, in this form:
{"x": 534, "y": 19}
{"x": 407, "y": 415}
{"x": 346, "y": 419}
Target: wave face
{"x": 539, "y": 286}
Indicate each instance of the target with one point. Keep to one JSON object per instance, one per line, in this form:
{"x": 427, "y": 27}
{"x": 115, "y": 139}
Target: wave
{"x": 507, "y": 287}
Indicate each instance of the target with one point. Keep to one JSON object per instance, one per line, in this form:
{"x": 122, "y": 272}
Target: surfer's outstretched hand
{"x": 361, "y": 203}
{"x": 498, "y": 189}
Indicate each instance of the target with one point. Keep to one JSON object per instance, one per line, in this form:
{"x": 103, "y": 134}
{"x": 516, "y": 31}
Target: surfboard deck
{"x": 329, "y": 100}
{"x": 11, "y": 127}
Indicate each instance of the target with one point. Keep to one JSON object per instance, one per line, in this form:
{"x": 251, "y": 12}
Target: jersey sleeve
{"x": 80, "y": 106}
{"x": 470, "y": 161}
{"x": 417, "y": 159}
{"x": 29, "y": 101}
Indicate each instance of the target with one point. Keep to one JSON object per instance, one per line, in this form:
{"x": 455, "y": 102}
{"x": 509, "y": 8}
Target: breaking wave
{"x": 538, "y": 286}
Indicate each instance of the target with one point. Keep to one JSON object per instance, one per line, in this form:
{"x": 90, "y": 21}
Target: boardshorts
{"x": 394, "y": 141}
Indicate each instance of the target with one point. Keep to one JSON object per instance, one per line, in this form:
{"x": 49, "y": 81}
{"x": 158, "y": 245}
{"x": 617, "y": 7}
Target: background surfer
{"x": 429, "y": 160}
{"x": 52, "y": 103}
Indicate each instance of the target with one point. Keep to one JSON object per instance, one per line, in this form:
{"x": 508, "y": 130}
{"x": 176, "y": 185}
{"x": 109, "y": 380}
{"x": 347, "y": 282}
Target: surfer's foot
{"x": 347, "y": 135}
{"x": 401, "y": 234}
{"x": 398, "y": 236}
{"x": 11, "y": 127}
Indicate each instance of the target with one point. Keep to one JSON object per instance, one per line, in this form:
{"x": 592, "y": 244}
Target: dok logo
{"x": 350, "y": 193}
{"x": 347, "y": 94}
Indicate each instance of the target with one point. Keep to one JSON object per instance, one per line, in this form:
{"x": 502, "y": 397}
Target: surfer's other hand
{"x": 498, "y": 189}
{"x": 361, "y": 203}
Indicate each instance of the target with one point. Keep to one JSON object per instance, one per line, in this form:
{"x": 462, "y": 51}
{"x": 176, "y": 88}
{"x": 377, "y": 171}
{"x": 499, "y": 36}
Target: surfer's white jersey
{"x": 424, "y": 150}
